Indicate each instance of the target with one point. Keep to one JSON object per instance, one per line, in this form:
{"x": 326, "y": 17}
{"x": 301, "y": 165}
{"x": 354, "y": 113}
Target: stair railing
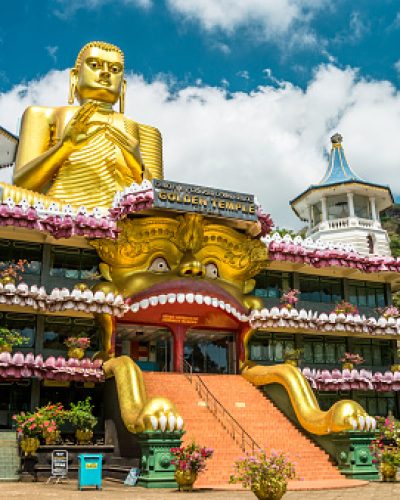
{"x": 228, "y": 422}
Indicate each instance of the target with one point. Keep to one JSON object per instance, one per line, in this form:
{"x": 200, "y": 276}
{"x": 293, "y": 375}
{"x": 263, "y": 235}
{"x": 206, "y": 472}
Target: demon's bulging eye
{"x": 159, "y": 265}
{"x": 211, "y": 271}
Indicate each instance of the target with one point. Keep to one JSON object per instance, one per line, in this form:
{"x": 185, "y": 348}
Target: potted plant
{"x": 292, "y": 356}
{"x": 189, "y": 461}
{"x": 77, "y": 346}
{"x": 10, "y": 338}
{"x": 82, "y": 418}
{"x": 385, "y": 448}
{"x": 53, "y": 415}
{"x": 290, "y": 298}
{"x": 345, "y": 307}
{"x": 29, "y": 428}
{"x": 11, "y": 271}
{"x": 266, "y": 475}
{"x": 349, "y": 360}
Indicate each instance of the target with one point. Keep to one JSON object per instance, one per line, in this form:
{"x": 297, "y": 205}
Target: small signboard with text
{"x": 209, "y": 201}
{"x": 59, "y": 463}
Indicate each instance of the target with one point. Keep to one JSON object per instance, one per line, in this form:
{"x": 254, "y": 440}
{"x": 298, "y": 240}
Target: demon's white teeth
{"x": 162, "y": 299}
{"x": 233, "y": 311}
{"x": 153, "y": 301}
{"x": 228, "y": 308}
{"x": 207, "y": 300}
{"x": 171, "y": 422}
{"x": 154, "y": 422}
{"x": 214, "y": 302}
{"x": 199, "y": 299}
{"x": 163, "y": 422}
{"x": 135, "y": 307}
{"x": 179, "y": 423}
{"x": 373, "y": 423}
{"x": 361, "y": 422}
{"x": 144, "y": 304}
{"x": 171, "y": 297}
{"x": 221, "y": 304}
{"x": 180, "y": 298}
{"x": 190, "y": 298}
{"x": 353, "y": 423}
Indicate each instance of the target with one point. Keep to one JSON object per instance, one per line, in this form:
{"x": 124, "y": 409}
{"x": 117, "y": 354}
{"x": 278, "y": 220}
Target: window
{"x": 376, "y": 353}
{"x": 316, "y": 213}
{"x": 16, "y": 250}
{"x": 377, "y": 403}
{"x": 361, "y": 207}
{"x": 323, "y": 350}
{"x": 270, "y": 346}
{"x": 337, "y": 207}
{"x": 270, "y": 284}
{"x": 74, "y": 263}
{"x": 367, "y": 294}
{"x": 58, "y": 328}
{"x": 25, "y": 324}
{"x": 319, "y": 289}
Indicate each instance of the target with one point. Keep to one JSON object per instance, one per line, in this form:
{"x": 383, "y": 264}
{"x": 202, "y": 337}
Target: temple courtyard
{"x": 111, "y": 490}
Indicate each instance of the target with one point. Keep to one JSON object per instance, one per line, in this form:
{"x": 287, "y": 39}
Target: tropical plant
{"x": 11, "y": 337}
{"x": 290, "y": 298}
{"x": 54, "y": 413}
{"x": 191, "y": 457}
{"x": 79, "y": 342}
{"x": 389, "y": 312}
{"x": 29, "y": 424}
{"x": 13, "y": 269}
{"x": 269, "y": 473}
{"x": 81, "y": 415}
{"x": 354, "y": 359}
{"x": 385, "y": 448}
{"x": 345, "y": 307}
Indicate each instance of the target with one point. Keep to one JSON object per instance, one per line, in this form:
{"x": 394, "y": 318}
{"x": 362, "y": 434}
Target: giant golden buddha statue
{"x": 83, "y": 154}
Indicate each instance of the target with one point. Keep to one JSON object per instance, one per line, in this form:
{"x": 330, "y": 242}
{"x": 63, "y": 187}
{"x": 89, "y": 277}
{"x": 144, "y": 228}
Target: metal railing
{"x": 228, "y": 422}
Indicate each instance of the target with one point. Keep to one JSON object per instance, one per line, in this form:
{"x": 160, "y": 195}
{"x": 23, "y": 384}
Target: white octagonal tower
{"x": 344, "y": 208}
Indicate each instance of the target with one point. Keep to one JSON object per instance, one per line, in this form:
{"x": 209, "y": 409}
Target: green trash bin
{"x": 90, "y": 470}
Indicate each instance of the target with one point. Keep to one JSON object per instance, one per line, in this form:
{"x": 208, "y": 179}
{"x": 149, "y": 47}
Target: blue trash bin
{"x": 90, "y": 470}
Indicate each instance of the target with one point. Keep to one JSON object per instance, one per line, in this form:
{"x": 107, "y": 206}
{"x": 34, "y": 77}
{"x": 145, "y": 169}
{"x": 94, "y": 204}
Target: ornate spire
{"x": 338, "y": 170}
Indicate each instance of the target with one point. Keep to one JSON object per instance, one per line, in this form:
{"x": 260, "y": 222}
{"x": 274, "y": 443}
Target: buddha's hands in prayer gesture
{"x": 76, "y": 133}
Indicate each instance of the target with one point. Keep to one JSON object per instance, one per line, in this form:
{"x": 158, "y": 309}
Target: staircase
{"x": 255, "y": 413}
{"x": 9, "y": 457}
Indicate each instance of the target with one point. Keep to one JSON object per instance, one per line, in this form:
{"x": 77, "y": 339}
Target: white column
{"x": 324, "y": 210}
{"x": 373, "y": 208}
{"x": 310, "y": 216}
{"x": 350, "y": 202}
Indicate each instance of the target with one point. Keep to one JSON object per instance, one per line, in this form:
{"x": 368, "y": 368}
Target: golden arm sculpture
{"x": 341, "y": 416}
{"x": 137, "y": 412}
{"x": 83, "y": 154}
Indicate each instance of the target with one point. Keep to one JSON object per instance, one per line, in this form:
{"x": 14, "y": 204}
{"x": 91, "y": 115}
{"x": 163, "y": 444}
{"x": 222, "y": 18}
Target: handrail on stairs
{"x": 228, "y": 422}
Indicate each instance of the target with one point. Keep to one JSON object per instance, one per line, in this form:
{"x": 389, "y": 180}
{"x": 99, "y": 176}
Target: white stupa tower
{"x": 344, "y": 208}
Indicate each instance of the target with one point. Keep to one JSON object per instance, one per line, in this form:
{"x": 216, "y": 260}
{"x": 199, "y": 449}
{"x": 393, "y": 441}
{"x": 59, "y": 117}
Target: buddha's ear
{"x": 122, "y": 97}
{"x": 105, "y": 271}
{"x": 73, "y": 78}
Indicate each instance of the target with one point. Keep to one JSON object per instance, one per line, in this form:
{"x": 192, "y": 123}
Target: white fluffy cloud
{"x": 270, "y": 142}
{"x": 274, "y": 17}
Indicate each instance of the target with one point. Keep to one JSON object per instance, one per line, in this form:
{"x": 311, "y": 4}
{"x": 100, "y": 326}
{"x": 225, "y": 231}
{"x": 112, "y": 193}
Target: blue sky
{"x": 245, "y": 92}
{"x": 161, "y": 37}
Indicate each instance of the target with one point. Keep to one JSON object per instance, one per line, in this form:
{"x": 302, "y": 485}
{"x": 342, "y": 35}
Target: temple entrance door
{"x": 210, "y": 351}
{"x": 149, "y": 346}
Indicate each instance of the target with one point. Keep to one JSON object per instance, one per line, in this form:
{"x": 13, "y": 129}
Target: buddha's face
{"x": 100, "y": 76}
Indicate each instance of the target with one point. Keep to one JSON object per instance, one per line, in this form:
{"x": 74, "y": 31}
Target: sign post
{"x": 59, "y": 465}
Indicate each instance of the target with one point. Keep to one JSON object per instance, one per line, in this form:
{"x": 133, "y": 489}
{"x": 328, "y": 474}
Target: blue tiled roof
{"x": 338, "y": 170}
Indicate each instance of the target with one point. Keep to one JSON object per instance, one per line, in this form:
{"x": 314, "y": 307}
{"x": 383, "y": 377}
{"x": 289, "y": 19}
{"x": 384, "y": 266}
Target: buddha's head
{"x": 98, "y": 74}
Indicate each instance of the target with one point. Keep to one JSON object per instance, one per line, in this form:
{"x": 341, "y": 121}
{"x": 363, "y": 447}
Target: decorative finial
{"x": 336, "y": 140}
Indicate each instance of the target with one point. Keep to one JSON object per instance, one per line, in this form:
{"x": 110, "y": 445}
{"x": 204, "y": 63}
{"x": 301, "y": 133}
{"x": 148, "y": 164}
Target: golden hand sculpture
{"x": 343, "y": 415}
{"x": 137, "y": 412}
{"x": 84, "y": 154}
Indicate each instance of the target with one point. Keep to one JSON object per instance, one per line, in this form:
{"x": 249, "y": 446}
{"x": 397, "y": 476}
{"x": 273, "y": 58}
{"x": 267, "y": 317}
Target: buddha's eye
{"x": 93, "y": 63}
{"x": 115, "y": 68}
{"x": 159, "y": 265}
{"x": 211, "y": 271}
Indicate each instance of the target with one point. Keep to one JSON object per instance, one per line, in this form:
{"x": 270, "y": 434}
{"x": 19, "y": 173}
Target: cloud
{"x": 271, "y": 141}
{"x": 65, "y": 9}
{"x": 268, "y": 19}
{"x": 52, "y": 51}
